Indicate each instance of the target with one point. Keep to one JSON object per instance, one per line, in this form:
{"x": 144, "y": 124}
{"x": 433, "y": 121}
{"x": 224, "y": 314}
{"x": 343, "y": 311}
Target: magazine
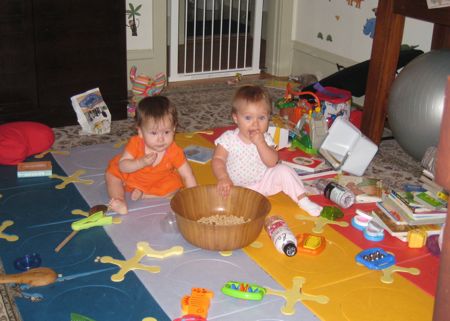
{"x": 198, "y": 154}
{"x": 92, "y": 113}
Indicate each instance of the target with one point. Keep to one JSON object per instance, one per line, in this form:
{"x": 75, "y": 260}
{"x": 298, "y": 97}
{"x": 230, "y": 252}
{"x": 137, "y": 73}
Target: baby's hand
{"x": 224, "y": 186}
{"x": 256, "y": 137}
{"x": 148, "y": 159}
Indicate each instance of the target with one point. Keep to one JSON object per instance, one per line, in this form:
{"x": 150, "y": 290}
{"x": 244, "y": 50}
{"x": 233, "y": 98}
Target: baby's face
{"x": 158, "y": 136}
{"x": 252, "y": 118}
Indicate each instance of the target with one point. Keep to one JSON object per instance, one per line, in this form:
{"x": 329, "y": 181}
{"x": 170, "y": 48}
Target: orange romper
{"x": 156, "y": 180}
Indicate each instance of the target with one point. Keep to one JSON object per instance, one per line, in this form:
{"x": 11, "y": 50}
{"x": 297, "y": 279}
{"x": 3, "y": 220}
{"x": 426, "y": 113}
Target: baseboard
{"x": 311, "y": 60}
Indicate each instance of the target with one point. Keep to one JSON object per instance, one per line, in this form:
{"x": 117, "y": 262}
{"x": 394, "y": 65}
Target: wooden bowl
{"x": 191, "y": 204}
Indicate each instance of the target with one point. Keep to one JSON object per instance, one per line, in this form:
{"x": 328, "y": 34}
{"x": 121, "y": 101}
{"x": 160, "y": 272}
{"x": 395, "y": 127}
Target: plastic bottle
{"x": 337, "y": 193}
{"x": 282, "y": 237}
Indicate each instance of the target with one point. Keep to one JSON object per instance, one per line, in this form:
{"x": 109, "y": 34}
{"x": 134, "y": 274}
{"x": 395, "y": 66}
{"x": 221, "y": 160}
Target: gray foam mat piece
{"x": 151, "y": 221}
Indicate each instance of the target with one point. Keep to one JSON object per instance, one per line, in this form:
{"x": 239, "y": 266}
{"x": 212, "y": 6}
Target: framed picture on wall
{"x": 138, "y": 20}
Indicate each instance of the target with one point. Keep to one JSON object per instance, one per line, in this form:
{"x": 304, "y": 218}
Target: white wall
{"x": 144, "y": 39}
{"x": 147, "y": 51}
{"x": 344, "y": 23}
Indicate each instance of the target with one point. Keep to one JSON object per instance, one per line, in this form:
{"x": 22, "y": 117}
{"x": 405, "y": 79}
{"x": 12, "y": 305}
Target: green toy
{"x": 331, "y": 213}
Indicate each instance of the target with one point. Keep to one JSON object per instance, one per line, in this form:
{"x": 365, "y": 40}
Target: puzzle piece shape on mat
{"x": 74, "y": 178}
{"x": 143, "y": 249}
{"x": 320, "y": 222}
{"x": 8, "y": 237}
{"x": 378, "y": 259}
{"x": 80, "y": 212}
{"x": 295, "y": 294}
{"x": 120, "y": 143}
{"x": 387, "y": 273}
{"x": 53, "y": 151}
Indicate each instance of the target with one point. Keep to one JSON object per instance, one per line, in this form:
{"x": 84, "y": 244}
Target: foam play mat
{"x": 141, "y": 268}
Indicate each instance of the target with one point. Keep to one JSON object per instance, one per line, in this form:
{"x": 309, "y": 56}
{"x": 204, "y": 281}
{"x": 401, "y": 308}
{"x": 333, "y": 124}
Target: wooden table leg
{"x": 383, "y": 64}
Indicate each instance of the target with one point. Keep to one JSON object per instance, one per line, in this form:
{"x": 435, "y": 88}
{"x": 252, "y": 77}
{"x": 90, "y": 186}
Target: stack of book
{"x": 306, "y": 165}
{"x": 399, "y": 212}
{"x": 34, "y": 169}
{"x": 428, "y": 184}
{"x": 400, "y": 231}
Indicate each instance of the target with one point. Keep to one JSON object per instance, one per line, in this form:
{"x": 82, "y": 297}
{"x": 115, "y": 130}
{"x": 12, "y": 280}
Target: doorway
{"x": 214, "y": 38}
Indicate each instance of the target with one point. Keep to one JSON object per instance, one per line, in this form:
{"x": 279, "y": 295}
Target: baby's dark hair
{"x": 156, "y": 108}
{"x": 251, "y": 94}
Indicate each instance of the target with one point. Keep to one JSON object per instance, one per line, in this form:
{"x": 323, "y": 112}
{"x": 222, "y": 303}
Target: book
{"x": 428, "y": 200}
{"x": 92, "y": 112}
{"x": 401, "y": 231}
{"x": 298, "y": 159}
{"x": 366, "y": 189}
{"x": 198, "y": 154}
{"x": 34, "y": 169}
{"x": 430, "y": 184}
{"x": 428, "y": 174}
{"x": 322, "y": 173}
{"x": 396, "y": 206}
{"x": 391, "y": 212}
{"x": 412, "y": 203}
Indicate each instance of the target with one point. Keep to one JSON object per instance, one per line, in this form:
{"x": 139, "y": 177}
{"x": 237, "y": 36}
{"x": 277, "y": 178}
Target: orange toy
{"x": 198, "y": 302}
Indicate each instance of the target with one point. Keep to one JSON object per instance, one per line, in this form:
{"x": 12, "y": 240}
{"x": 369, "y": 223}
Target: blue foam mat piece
{"x": 42, "y": 217}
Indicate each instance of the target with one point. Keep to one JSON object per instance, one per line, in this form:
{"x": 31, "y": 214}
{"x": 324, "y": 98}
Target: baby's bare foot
{"x": 136, "y": 194}
{"x": 118, "y": 206}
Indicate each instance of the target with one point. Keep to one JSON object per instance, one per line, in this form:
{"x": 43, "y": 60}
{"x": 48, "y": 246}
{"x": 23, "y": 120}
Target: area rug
{"x": 8, "y": 309}
{"x": 208, "y": 106}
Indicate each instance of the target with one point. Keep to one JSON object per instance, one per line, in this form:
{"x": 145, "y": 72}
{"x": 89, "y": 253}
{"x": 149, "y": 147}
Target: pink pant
{"x": 280, "y": 178}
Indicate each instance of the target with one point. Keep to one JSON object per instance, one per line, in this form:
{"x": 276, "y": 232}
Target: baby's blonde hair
{"x": 251, "y": 94}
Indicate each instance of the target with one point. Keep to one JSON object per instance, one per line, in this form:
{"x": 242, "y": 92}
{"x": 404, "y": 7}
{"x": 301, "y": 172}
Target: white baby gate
{"x": 214, "y": 38}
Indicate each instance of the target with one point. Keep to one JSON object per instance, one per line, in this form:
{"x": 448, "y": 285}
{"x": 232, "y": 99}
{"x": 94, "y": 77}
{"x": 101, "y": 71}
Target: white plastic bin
{"x": 347, "y": 149}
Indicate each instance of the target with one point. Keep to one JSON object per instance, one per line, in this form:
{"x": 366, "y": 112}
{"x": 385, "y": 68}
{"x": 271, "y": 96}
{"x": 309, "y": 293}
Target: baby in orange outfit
{"x": 152, "y": 164}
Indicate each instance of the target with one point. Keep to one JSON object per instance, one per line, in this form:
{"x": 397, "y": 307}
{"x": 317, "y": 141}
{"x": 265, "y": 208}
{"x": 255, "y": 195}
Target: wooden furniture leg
{"x": 385, "y": 48}
{"x": 383, "y": 64}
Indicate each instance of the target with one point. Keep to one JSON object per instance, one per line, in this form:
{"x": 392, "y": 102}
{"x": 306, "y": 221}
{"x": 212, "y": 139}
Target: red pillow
{"x": 21, "y": 139}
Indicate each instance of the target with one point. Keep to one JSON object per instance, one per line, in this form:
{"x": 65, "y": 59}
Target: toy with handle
{"x": 40, "y": 276}
{"x": 93, "y": 210}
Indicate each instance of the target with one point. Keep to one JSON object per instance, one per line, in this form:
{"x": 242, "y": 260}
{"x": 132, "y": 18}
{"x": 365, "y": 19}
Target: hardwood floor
{"x": 223, "y": 55}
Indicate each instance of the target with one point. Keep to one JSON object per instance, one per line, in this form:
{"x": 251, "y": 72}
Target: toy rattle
{"x": 96, "y": 218}
{"x": 245, "y": 291}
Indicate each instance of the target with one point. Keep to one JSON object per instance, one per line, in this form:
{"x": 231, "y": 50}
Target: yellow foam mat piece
{"x": 203, "y": 172}
{"x": 355, "y": 293}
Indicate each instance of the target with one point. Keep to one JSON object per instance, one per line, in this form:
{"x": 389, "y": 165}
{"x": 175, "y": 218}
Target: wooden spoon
{"x": 35, "y": 277}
